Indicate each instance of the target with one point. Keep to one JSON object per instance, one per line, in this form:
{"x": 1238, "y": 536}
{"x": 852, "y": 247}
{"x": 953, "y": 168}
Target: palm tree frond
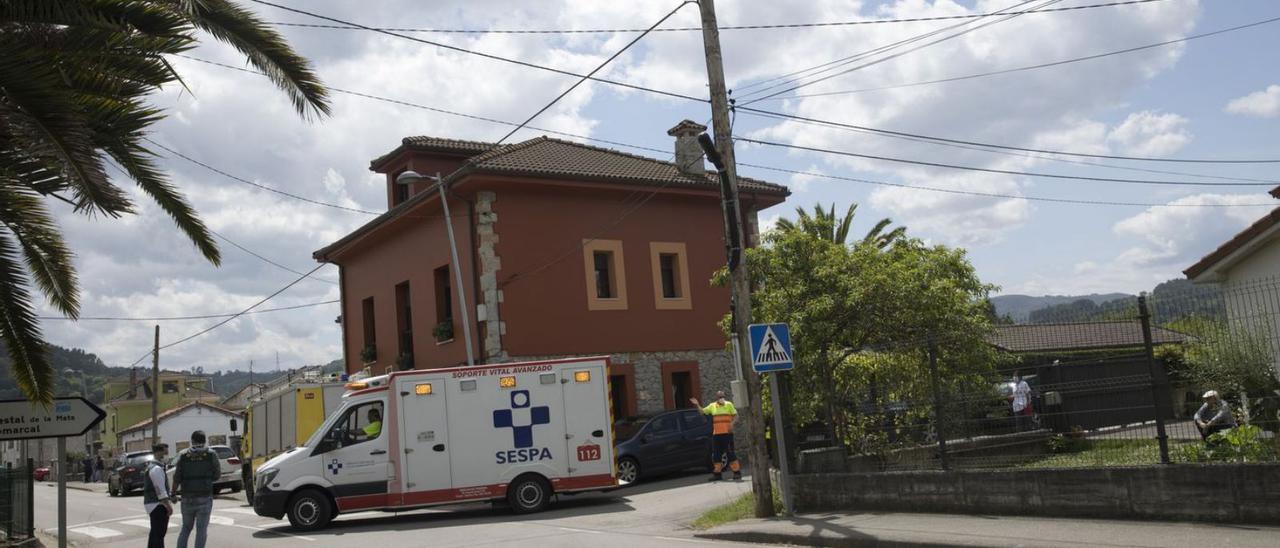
{"x": 47, "y": 256}
{"x": 265, "y": 49}
{"x": 153, "y": 182}
{"x": 19, "y": 330}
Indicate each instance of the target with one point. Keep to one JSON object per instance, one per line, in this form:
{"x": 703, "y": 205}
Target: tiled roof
{"x": 174, "y": 411}
{"x": 1235, "y": 243}
{"x": 1078, "y": 336}
{"x": 544, "y": 156}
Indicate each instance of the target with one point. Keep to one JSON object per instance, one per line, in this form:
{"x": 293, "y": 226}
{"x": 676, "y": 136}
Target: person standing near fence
{"x": 1214, "y": 416}
{"x": 193, "y": 478}
{"x": 723, "y": 417}
{"x": 97, "y": 469}
{"x": 1020, "y": 400}
{"x": 156, "y": 499}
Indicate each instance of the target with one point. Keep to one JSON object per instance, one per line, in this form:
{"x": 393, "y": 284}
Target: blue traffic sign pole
{"x": 771, "y": 353}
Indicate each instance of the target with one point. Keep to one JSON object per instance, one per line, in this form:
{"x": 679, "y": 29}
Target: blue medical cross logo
{"x": 521, "y": 434}
{"x": 334, "y": 466}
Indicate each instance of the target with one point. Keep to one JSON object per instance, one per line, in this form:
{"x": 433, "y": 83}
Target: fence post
{"x": 1161, "y": 437}
{"x": 31, "y": 498}
{"x": 937, "y": 405}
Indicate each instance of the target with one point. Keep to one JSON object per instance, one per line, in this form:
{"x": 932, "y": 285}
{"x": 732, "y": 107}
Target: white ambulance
{"x": 519, "y": 432}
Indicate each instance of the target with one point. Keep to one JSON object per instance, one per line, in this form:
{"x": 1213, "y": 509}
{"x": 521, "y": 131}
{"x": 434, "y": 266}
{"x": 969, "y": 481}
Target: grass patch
{"x": 741, "y": 508}
{"x": 1109, "y": 453}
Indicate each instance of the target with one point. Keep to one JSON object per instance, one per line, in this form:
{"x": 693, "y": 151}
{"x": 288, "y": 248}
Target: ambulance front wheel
{"x": 309, "y": 510}
{"x": 529, "y": 494}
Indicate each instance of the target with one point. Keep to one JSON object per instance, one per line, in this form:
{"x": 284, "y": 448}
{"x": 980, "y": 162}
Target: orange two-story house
{"x": 564, "y": 250}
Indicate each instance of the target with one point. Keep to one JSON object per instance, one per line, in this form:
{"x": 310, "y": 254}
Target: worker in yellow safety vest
{"x": 723, "y": 417}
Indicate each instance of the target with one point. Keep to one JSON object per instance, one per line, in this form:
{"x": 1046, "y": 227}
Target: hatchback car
{"x": 228, "y": 465}
{"x": 127, "y": 475}
{"x": 666, "y": 442}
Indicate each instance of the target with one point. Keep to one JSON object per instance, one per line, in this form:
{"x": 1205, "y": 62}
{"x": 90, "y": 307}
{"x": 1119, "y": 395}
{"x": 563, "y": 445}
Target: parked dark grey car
{"x": 666, "y": 442}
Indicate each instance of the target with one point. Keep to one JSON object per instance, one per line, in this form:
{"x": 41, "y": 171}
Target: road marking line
{"x": 272, "y": 532}
{"x": 96, "y": 532}
{"x": 245, "y": 511}
{"x": 694, "y": 540}
{"x": 579, "y": 530}
{"x": 146, "y": 523}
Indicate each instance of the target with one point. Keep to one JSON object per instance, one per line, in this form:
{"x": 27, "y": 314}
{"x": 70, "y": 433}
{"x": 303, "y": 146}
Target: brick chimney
{"x": 688, "y": 153}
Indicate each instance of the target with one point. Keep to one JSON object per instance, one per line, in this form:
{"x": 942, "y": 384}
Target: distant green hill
{"x": 1169, "y": 301}
{"x": 96, "y": 373}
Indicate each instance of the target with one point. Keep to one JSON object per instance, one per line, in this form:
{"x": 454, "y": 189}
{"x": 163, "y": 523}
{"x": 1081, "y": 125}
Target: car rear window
{"x": 627, "y": 430}
{"x": 224, "y": 452}
{"x": 138, "y": 460}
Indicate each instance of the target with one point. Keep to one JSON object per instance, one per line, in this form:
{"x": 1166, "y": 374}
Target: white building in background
{"x": 1248, "y": 268}
{"x": 177, "y": 424}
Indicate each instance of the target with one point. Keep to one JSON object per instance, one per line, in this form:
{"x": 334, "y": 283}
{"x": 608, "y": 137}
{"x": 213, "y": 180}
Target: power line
{"x": 180, "y": 318}
{"x": 482, "y": 54}
{"x": 991, "y": 194}
{"x": 1033, "y": 67}
{"x": 1005, "y": 147}
{"x": 593, "y": 72}
{"x": 686, "y": 29}
{"x": 891, "y": 57}
{"x": 232, "y": 317}
{"x": 818, "y": 69}
{"x": 1030, "y": 155}
{"x": 420, "y": 106}
{"x": 266, "y": 260}
{"x": 992, "y": 170}
{"x": 261, "y": 186}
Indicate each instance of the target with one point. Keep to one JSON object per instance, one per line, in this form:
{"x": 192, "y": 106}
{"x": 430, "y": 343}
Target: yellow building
{"x": 128, "y": 401}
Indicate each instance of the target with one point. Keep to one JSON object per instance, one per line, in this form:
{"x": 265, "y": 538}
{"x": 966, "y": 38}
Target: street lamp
{"x": 411, "y": 177}
{"x": 84, "y": 392}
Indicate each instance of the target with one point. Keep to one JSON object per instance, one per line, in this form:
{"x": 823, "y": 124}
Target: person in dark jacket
{"x": 193, "y": 477}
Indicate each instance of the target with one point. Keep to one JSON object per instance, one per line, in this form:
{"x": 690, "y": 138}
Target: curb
{"x": 758, "y": 537}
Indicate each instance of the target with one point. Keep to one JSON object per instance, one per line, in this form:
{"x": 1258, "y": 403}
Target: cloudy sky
{"x": 1216, "y": 97}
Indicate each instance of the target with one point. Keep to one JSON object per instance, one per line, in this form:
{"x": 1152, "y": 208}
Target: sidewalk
{"x": 901, "y": 529}
{"x": 99, "y": 487}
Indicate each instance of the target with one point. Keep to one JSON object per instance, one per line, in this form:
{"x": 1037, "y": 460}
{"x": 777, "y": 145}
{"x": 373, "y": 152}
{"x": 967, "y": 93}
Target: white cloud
{"x": 1149, "y": 133}
{"x": 1263, "y": 104}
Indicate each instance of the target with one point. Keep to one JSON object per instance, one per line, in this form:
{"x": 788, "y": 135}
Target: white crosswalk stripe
{"x": 96, "y": 532}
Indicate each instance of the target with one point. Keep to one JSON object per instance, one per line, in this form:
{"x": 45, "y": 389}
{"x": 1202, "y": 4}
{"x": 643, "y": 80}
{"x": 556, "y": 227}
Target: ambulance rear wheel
{"x": 309, "y": 510}
{"x": 529, "y": 494}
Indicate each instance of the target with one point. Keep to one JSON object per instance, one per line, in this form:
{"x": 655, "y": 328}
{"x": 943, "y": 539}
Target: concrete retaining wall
{"x": 1246, "y": 493}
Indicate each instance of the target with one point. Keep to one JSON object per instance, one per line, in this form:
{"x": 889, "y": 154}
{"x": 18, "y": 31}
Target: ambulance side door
{"x": 354, "y": 456}
{"x": 587, "y": 423}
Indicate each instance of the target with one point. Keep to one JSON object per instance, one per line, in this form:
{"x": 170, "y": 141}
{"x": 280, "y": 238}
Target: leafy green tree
{"x": 1234, "y": 358}
{"x": 75, "y": 80}
{"x": 825, "y": 225}
{"x": 863, "y": 317}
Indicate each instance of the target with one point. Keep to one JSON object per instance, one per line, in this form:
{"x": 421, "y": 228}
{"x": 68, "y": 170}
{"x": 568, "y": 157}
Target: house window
{"x": 370, "y": 331}
{"x": 404, "y": 319}
{"x": 606, "y": 279}
{"x": 670, "y": 276}
{"x": 399, "y": 192}
{"x": 622, "y": 390}
{"x": 443, "y": 330}
{"x": 169, "y": 387}
{"x": 680, "y": 382}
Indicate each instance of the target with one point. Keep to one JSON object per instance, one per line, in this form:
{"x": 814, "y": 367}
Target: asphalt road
{"x": 652, "y": 513}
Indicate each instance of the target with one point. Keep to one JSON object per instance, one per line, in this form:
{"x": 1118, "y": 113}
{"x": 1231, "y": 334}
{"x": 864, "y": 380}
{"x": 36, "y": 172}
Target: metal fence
{"x": 16, "y": 502}
{"x": 1079, "y": 385}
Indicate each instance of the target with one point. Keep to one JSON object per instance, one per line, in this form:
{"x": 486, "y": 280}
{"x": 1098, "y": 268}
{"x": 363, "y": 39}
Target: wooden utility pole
{"x": 741, "y": 283}
{"x": 155, "y": 389}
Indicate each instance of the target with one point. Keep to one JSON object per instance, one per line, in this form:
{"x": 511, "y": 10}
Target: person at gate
{"x": 1020, "y": 402}
{"x": 155, "y": 496}
{"x": 193, "y": 478}
{"x": 1214, "y": 416}
{"x": 723, "y": 417}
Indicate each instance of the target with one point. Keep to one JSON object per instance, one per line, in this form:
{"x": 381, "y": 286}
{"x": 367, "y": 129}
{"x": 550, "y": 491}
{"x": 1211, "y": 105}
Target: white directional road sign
{"x": 21, "y": 419}
{"x": 770, "y": 347}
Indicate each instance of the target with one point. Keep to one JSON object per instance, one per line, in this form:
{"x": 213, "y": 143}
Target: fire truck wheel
{"x": 309, "y": 510}
{"x": 528, "y": 494}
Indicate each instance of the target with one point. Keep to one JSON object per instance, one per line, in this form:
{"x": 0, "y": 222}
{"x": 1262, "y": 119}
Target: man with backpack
{"x": 193, "y": 478}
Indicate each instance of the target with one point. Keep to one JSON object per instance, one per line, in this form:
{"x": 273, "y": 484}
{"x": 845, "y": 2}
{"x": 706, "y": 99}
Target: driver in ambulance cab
{"x": 374, "y": 427}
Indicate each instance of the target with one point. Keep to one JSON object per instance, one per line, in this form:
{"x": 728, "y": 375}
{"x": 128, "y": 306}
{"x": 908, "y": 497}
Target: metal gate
{"x": 16, "y": 503}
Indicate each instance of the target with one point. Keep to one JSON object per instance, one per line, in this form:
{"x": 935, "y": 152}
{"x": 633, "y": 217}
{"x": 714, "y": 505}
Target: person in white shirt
{"x": 1020, "y": 401}
{"x": 155, "y": 496}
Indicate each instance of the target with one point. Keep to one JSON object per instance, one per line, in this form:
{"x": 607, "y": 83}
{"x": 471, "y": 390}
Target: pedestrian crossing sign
{"x": 770, "y": 347}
